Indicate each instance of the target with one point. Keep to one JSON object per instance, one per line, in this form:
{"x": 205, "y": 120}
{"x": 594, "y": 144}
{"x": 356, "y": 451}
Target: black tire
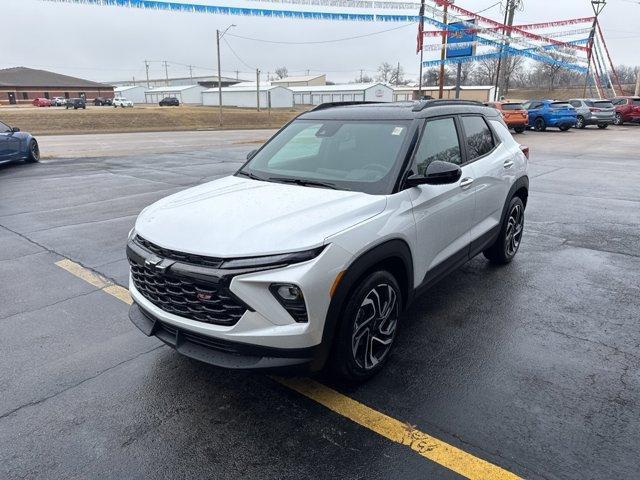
{"x": 34, "y": 151}
{"x": 564, "y": 128}
{"x": 602, "y": 126}
{"x": 506, "y": 245}
{"x": 617, "y": 120}
{"x": 519, "y": 129}
{"x": 377, "y": 295}
{"x": 539, "y": 125}
{"x": 580, "y": 123}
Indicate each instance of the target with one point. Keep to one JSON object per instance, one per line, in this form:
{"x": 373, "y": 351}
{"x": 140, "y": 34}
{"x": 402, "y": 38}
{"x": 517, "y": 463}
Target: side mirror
{"x": 15, "y": 129}
{"x": 438, "y": 173}
{"x": 251, "y": 154}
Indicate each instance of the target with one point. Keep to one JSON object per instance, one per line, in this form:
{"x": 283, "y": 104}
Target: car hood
{"x": 236, "y": 217}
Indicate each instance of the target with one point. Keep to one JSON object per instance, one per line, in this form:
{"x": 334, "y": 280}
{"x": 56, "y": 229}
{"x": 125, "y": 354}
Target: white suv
{"x": 309, "y": 254}
{"x": 122, "y": 102}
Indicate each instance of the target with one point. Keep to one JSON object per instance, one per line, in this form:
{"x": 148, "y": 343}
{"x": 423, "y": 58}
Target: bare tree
{"x": 282, "y": 72}
{"x": 386, "y": 72}
{"x": 485, "y": 72}
{"x": 363, "y": 79}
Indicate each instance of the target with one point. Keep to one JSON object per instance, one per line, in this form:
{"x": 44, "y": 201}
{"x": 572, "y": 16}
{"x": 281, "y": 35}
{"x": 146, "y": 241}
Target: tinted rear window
{"x": 560, "y": 105}
{"x": 636, "y": 101}
{"x": 512, "y": 106}
{"x": 603, "y": 104}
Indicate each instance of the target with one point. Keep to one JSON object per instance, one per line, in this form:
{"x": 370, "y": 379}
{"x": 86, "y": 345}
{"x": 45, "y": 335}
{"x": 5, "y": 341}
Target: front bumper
{"x": 219, "y": 352}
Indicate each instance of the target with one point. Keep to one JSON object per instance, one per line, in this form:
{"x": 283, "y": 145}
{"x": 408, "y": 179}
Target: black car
{"x": 100, "y": 101}
{"x": 169, "y": 102}
{"x": 76, "y": 103}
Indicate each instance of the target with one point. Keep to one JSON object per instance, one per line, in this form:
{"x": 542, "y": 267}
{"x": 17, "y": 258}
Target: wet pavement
{"x": 532, "y": 366}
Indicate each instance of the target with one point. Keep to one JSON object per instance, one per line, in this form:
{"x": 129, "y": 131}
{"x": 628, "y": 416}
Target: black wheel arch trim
{"x": 522, "y": 182}
{"x": 395, "y": 249}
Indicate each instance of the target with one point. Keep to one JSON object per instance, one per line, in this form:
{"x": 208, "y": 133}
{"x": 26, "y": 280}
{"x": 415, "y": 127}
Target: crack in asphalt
{"x": 57, "y": 302}
{"x": 77, "y": 384}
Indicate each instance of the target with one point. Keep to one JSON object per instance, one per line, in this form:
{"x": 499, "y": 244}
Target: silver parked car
{"x": 593, "y": 112}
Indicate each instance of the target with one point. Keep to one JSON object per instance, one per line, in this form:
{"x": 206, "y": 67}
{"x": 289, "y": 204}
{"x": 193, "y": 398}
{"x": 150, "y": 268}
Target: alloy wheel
{"x": 513, "y": 235}
{"x": 617, "y": 119}
{"x": 375, "y": 326}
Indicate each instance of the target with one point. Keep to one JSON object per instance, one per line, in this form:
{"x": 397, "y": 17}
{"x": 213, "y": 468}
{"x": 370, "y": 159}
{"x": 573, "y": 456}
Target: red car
{"x": 627, "y": 110}
{"x": 41, "y": 102}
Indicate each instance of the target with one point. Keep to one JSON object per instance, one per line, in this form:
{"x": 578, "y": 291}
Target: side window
{"x": 478, "y": 137}
{"x": 439, "y": 142}
{"x": 575, "y": 103}
{"x": 526, "y": 105}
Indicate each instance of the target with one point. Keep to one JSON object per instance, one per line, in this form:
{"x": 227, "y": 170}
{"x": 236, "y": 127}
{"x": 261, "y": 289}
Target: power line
{"x": 236, "y": 55}
{"x": 322, "y": 41}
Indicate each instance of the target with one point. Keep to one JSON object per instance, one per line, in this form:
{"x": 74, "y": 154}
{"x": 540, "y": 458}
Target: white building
{"x": 356, "y": 92}
{"x": 246, "y": 95}
{"x": 480, "y": 93}
{"x": 187, "y": 94}
{"x": 301, "y": 81}
{"x": 135, "y": 93}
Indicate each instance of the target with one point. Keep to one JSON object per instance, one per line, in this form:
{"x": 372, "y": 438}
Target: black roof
{"x": 29, "y": 77}
{"x": 395, "y": 110}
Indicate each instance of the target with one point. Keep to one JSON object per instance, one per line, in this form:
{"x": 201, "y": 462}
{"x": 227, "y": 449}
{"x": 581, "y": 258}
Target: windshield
{"x": 512, "y": 106}
{"x": 350, "y": 155}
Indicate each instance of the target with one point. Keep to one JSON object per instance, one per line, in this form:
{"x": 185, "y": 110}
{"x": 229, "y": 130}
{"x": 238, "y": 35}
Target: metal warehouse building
{"x": 189, "y": 94}
{"x": 22, "y": 85}
{"x": 135, "y": 93}
{"x": 246, "y": 95}
{"x": 302, "y": 81}
{"x": 315, "y": 95}
{"x": 480, "y": 93}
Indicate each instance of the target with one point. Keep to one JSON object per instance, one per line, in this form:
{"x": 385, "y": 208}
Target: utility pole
{"x": 191, "y": 72}
{"x": 166, "y": 72}
{"x": 509, "y": 11}
{"x": 258, "y": 89}
{"x": 443, "y": 53}
{"x": 360, "y": 75}
{"x": 637, "y": 94}
{"x": 219, "y": 35}
{"x": 421, "y": 46}
{"x": 398, "y": 75}
{"x": 237, "y": 74}
{"x": 146, "y": 66}
{"x": 597, "y": 6}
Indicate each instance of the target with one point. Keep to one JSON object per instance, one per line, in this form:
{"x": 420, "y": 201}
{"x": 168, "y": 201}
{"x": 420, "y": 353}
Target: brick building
{"x": 21, "y": 85}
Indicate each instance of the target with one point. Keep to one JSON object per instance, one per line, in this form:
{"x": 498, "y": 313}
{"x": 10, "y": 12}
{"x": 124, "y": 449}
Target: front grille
{"x": 187, "y": 297}
{"x": 178, "y": 256}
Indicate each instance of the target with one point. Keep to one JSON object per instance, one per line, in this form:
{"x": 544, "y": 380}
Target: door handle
{"x": 508, "y": 164}
{"x": 465, "y": 182}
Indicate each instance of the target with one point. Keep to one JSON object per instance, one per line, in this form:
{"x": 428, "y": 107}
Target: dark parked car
{"x": 17, "y": 145}
{"x": 170, "y": 102}
{"x": 627, "y": 110}
{"x": 76, "y": 103}
{"x": 100, "y": 101}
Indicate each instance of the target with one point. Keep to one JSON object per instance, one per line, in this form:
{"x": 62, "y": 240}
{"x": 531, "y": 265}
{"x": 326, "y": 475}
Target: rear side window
{"x": 576, "y": 103}
{"x": 636, "y": 101}
{"x": 439, "y": 142}
{"x": 560, "y": 105}
{"x": 478, "y": 137}
{"x": 512, "y": 106}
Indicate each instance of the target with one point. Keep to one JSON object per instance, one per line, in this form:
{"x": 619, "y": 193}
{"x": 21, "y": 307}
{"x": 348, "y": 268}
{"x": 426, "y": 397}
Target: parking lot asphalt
{"x": 532, "y": 367}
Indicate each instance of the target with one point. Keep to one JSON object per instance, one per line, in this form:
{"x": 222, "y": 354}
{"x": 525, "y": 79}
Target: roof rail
{"x": 324, "y": 106}
{"x": 422, "y": 104}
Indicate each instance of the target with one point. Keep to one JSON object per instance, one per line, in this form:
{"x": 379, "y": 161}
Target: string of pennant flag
{"x": 520, "y": 40}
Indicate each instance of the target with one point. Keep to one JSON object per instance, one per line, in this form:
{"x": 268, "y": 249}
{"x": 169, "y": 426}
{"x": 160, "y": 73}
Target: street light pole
{"x": 219, "y": 35}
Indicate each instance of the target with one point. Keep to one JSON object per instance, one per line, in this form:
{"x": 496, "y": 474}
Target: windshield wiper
{"x": 302, "y": 182}
{"x": 250, "y": 175}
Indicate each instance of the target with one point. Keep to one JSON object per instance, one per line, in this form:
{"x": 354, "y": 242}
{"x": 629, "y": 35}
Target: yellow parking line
{"x": 96, "y": 280}
{"x": 422, "y": 443}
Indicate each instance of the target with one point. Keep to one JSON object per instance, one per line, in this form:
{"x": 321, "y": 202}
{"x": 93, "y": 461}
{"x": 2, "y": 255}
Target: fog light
{"x": 289, "y": 293}
{"x": 291, "y": 298}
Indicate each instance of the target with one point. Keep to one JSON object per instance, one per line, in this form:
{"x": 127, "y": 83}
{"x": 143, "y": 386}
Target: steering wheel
{"x": 375, "y": 166}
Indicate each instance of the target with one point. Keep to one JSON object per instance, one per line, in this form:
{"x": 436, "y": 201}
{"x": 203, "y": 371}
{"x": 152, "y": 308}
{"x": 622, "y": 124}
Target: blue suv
{"x": 549, "y": 113}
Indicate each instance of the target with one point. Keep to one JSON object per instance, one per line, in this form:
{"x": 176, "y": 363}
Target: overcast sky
{"x": 111, "y": 43}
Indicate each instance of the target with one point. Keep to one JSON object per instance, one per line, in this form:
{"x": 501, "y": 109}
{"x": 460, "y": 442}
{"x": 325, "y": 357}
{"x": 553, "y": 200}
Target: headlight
{"x": 132, "y": 233}
{"x": 272, "y": 260}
